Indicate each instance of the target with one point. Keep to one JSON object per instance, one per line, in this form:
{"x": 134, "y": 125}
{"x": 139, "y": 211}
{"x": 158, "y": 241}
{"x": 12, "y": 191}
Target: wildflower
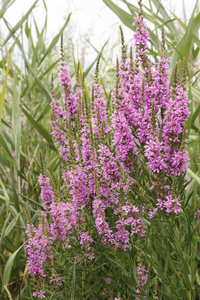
{"x": 142, "y": 274}
{"x": 90, "y": 255}
{"x": 152, "y": 213}
{"x": 170, "y": 205}
{"x": 39, "y": 294}
{"x": 46, "y": 191}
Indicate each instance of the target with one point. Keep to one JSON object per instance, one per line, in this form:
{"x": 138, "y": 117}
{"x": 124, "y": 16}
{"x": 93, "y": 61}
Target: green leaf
{"x": 166, "y": 18}
{"x": 7, "y": 230}
{"x": 4, "y": 161}
{"x": 125, "y": 17}
{"x": 18, "y": 25}
{"x": 3, "y": 230}
{"x": 184, "y": 46}
{"x": 5, "y": 5}
{"x": 6, "y": 123}
{"x": 2, "y": 96}
{"x": 55, "y": 40}
{"x": 5, "y": 145}
{"x": 44, "y": 91}
{"x": 8, "y": 267}
{"x": 32, "y": 201}
{"x": 193, "y": 175}
{"x": 16, "y": 122}
{"x": 8, "y": 292}
{"x": 39, "y": 128}
{"x": 196, "y": 93}
{"x": 196, "y": 113}
{"x": 195, "y": 28}
{"x": 39, "y": 82}
{"x": 86, "y": 72}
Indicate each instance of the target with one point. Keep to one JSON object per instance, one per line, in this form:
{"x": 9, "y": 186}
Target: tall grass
{"x": 25, "y": 127}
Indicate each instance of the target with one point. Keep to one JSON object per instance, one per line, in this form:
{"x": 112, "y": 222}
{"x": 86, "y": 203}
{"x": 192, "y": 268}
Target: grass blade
{"x": 125, "y": 17}
{"x": 39, "y": 127}
{"x": 2, "y": 96}
{"x": 193, "y": 175}
{"x": 184, "y": 46}
{"x": 5, "y": 5}
{"x": 55, "y": 40}
{"x": 8, "y": 267}
{"x": 18, "y": 25}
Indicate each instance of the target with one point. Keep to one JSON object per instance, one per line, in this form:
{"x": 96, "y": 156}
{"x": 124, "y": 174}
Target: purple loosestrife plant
{"x": 122, "y": 168}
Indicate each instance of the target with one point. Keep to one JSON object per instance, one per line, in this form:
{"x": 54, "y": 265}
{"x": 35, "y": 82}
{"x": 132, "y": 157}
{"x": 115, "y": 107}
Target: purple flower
{"x": 141, "y": 38}
{"x": 154, "y": 153}
{"x": 123, "y": 139}
{"x": 152, "y": 213}
{"x": 41, "y": 294}
{"x": 142, "y": 275}
{"x": 100, "y": 122}
{"x": 46, "y": 191}
{"x": 69, "y": 99}
{"x": 170, "y": 205}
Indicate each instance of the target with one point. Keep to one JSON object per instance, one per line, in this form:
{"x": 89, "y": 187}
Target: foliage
{"x": 25, "y": 127}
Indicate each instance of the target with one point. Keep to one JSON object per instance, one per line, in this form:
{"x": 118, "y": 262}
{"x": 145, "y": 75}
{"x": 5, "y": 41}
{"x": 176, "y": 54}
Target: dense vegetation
{"x": 170, "y": 250}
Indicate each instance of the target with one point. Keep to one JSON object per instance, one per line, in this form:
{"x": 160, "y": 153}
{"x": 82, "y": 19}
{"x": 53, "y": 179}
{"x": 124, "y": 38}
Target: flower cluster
{"x": 142, "y": 275}
{"x": 103, "y": 149}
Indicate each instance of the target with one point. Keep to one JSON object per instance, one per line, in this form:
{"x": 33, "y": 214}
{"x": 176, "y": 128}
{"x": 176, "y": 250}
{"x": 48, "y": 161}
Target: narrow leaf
{"x": 2, "y": 96}
{"x": 39, "y": 127}
{"x": 18, "y": 25}
{"x": 8, "y": 267}
{"x": 55, "y": 40}
{"x": 193, "y": 175}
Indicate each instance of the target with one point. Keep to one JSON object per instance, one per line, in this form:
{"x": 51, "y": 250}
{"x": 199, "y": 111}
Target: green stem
{"x": 8, "y": 293}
